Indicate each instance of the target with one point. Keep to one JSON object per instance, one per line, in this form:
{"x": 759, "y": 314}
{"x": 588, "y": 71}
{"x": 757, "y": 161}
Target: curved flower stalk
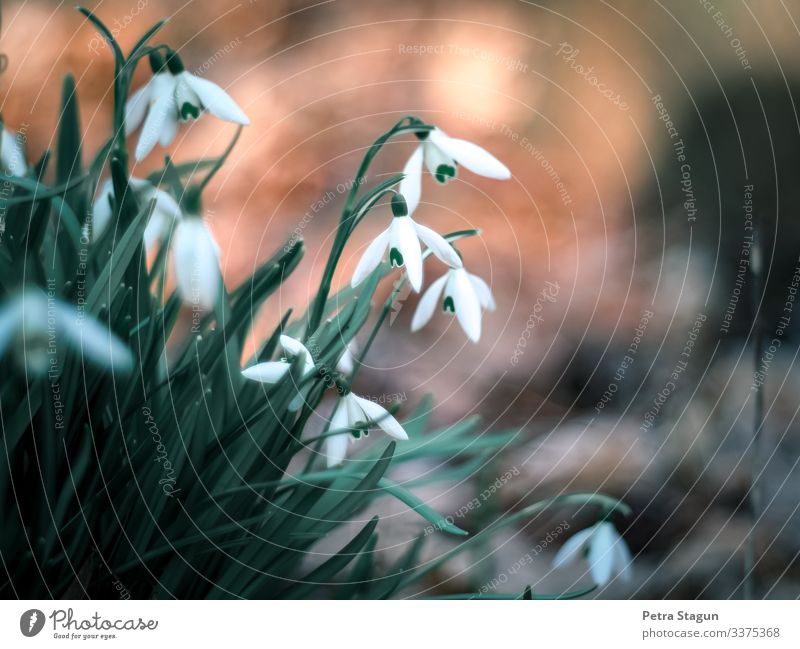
{"x": 354, "y": 413}
{"x": 12, "y": 154}
{"x": 196, "y": 260}
{"x": 442, "y": 154}
{"x": 173, "y": 95}
{"x": 35, "y": 325}
{"x": 465, "y": 295}
{"x": 402, "y": 238}
{"x": 605, "y": 550}
{"x": 166, "y": 210}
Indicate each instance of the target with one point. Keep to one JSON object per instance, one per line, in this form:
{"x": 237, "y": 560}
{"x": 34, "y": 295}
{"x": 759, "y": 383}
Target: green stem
{"x": 345, "y": 228}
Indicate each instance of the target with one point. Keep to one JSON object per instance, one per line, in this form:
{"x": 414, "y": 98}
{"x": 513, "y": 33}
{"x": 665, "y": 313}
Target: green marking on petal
{"x": 444, "y": 173}
{"x": 189, "y": 110}
{"x": 449, "y": 304}
{"x": 395, "y": 257}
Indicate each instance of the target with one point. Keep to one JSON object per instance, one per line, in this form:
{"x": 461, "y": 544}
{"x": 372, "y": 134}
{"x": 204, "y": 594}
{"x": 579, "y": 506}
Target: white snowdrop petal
{"x": 295, "y": 348}
{"x": 101, "y": 210}
{"x": 12, "y": 154}
{"x": 571, "y": 550}
{"x": 623, "y": 559}
{"x": 427, "y": 304}
{"x": 336, "y": 449}
{"x": 136, "y": 108}
{"x": 187, "y": 102}
{"x": 155, "y": 230}
{"x": 11, "y": 319}
{"x": 161, "y": 111}
{"x": 470, "y": 156}
{"x": 216, "y": 100}
{"x": 601, "y": 555}
{"x": 411, "y": 185}
{"x": 378, "y": 415}
{"x": 269, "y": 373}
{"x": 438, "y": 245}
{"x": 346, "y": 362}
{"x": 483, "y": 292}
{"x": 92, "y": 339}
{"x": 196, "y": 264}
{"x": 370, "y": 259}
{"x": 468, "y": 308}
{"x": 440, "y": 165}
{"x": 169, "y": 129}
{"x": 403, "y": 236}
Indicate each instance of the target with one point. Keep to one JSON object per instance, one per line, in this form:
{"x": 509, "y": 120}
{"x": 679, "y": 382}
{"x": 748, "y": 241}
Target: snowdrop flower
{"x": 605, "y": 550}
{"x": 402, "y": 238}
{"x": 165, "y": 212}
{"x": 273, "y": 371}
{"x": 464, "y": 295}
{"x": 34, "y": 325}
{"x": 12, "y": 154}
{"x": 354, "y": 412}
{"x": 442, "y": 154}
{"x": 196, "y": 260}
{"x": 174, "y": 95}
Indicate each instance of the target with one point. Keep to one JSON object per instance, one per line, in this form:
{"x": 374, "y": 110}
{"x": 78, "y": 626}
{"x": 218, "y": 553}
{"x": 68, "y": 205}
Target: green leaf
{"x": 321, "y": 575}
{"x": 68, "y": 151}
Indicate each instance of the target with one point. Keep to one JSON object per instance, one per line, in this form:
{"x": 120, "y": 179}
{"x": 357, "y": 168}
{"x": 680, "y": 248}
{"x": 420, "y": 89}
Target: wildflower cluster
{"x": 169, "y": 466}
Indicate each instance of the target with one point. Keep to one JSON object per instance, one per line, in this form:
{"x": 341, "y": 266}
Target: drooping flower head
{"x": 12, "y": 154}
{"x": 460, "y": 293}
{"x": 173, "y": 95}
{"x": 195, "y": 256}
{"x": 353, "y": 413}
{"x": 605, "y": 550}
{"x": 166, "y": 210}
{"x": 271, "y": 372}
{"x": 402, "y": 238}
{"x": 40, "y": 327}
{"x": 442, "y": 155}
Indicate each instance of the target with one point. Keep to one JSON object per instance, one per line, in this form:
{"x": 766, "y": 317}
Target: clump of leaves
{"x": 172, "y": 477}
